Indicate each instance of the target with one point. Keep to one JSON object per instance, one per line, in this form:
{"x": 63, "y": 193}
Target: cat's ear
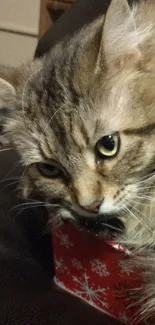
{"x": 121, "y": 39}
{"x": 7, "y": 95}
{"x": 7, "y": 92}
{"x": 8, "y": 78}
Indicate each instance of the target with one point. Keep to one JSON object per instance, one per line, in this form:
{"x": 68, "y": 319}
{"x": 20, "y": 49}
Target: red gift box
{"x": 94, "y": 270}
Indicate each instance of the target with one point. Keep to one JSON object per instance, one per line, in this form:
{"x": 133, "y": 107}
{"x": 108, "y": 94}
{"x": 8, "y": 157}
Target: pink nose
{"x": 94, "y": 207}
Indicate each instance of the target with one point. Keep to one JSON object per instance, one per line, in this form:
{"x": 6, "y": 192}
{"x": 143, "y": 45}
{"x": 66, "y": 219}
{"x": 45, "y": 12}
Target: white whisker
{"x": 141, "y": 188}
{"x": 139, "y": 203}
{"x": 138, "y": 219}
{"x": 142, "y": 221}
{"x": 145, "y": 197}
{"x": 10, "y": 184}
{"x": 10, "y": 179}
{"x": 10, "y": 171}
{"x": 29, "y": 207}
{"x": 146, "y": 178}
{"x": 26, "y": 204}
{"x": 111, "y": 227}
{"x": 6, "y": 149}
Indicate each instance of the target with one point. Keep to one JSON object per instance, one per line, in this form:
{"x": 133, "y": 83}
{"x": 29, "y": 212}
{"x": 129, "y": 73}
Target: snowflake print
{"x": 59, "y": 283}
{"x": 88, "y": 291}
{"x": 125, "y": 267}
{"x": 64, "y": 240}
{"x": 99, "y": 267}
{"x": 60, "y": 265}
{"x": 77, "y": 264}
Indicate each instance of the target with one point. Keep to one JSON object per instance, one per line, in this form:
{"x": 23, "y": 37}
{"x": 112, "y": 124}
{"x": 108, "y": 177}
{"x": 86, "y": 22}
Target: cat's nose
{"x": 93, "y": 207}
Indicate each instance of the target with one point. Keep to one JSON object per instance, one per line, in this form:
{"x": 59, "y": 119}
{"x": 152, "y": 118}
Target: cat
{"x": 83, "y": 121}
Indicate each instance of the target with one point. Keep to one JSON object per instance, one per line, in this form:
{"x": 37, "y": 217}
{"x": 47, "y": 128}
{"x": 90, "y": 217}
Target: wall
{"x": 19, "y": 27}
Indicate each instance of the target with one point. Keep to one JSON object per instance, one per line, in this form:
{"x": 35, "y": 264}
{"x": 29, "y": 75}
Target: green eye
{"x": 108, "y": 146}
{"x": 48, "y": 170}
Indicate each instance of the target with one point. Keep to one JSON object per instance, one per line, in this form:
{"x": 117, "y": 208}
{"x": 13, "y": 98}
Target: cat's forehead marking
{"x": 90, "y": 159}
{"x": 78, "y": 131}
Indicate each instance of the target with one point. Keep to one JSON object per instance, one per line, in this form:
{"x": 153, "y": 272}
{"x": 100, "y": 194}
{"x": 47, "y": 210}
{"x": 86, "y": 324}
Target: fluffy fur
{"x": 98, "y": 83}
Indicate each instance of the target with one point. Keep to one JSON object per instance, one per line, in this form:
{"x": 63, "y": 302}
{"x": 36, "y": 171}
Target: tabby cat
{"x": 83, "y": 121}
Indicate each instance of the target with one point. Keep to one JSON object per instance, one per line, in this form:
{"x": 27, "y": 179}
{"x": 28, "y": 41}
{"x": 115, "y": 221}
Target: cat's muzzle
{"x": 94, "y": 222}
{"x": 91, "y": 221}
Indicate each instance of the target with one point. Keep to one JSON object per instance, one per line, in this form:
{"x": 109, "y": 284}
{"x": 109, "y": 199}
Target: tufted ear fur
{"x": 121, "y": 36}
{"x": 7, "y": 95}
{"x": 8, "y": 81}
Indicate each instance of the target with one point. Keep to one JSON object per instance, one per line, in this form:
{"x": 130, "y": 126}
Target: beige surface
{"x": 18, "y": 16}
{"x": 16, "y": 49}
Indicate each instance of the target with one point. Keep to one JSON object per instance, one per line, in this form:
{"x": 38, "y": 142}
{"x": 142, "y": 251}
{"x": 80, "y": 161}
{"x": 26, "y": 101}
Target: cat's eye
{"x": 108, "y": 146}
{"x": 48, "y": 170}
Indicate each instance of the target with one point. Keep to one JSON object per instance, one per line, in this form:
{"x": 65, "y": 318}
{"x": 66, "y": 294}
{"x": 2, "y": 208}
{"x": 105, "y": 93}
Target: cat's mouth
{"x": 101, "y": 224}
{"x": 93, "y": 222}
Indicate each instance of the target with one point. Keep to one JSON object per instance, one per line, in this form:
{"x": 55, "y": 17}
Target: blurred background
{"x": 22, "y": 23}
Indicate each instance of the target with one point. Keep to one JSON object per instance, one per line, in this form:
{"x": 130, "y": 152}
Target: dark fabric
{"x": 80, "y": 14}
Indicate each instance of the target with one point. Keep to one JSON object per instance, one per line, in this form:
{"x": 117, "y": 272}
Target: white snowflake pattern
{"x": 59, "y": 283}
{"x": 60, "y": 265}
{"x": 125, "y": 267}
{"x": 88, "y": 291}
{"x": 99, "y": 267}
{"x": 77, "y": 264}
{"x": 64, "y": 240}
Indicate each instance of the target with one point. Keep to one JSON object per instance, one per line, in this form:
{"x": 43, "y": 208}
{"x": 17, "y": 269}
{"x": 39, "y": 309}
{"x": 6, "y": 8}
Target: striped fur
{"x": 100, "y": 82}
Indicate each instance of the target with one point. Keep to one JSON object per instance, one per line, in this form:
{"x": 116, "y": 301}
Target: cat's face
{"x": 84, "y": 126}
{"x": 90, "y": 155}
